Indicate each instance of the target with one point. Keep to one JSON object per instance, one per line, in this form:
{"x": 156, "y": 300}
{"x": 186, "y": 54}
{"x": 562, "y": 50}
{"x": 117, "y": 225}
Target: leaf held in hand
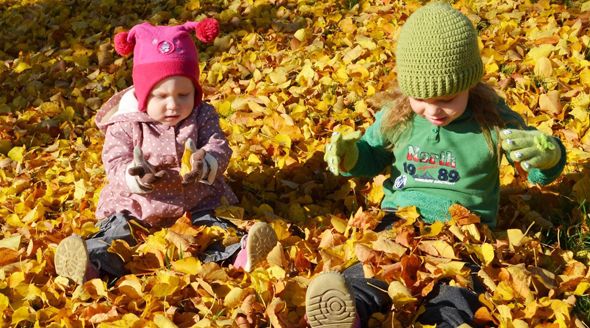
{"x": 185, "y": 162}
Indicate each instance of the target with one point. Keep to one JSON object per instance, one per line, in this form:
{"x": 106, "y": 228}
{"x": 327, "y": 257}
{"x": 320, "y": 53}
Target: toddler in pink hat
{"x": 147, "y": 129}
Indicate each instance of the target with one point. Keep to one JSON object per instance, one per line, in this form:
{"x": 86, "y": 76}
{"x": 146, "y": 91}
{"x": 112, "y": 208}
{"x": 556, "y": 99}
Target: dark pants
{"x": 116, "y": 227}
{"x": 446, "y": 306}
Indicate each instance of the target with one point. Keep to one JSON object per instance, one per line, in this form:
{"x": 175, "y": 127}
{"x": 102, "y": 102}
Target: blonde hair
{"x": 483, "y": 102}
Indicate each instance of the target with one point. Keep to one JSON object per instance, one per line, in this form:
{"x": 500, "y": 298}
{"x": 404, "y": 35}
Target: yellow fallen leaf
{"x": 276, "y": 272}
{"x": 514, "y": 237}
{"x": 433, "y": 230}
{"x": 131, "y": 286}
{"x": 339, "y": 224}
{"x": 487, "y": 251}
{"x": 366, "y": 42}
{"x": 163, "y": 322}
{"x": 35, "y": 214}
{"x": 300, "y": 34}
{"x": 503, "y": 292}
{"x": 444, "y": 249}
{"x": 12, "y": 242}
{"x": 399, "y": 293}
{"x": 538, "y": 52}
{"x": 581, "y": 288}
{"x": 21, "y": 67}
{"x": 457, "y": 232}
{"x": 16, "y": 154}
{"x": 585, "y": 77}
{"x": 491, "y": 66}
{"x": 166, "y": 285}
{"x": 79, "y": 189}
{"x": 451, "y": 268}
{"x": 307, "y": 75}
{"x": 549, "y": 102}
{"x": 352, "y": 54}
{"x": 252, "y": 158}
{"x": 235, "y": 296}
{"x": 472, "y": 230}
{"x": 4, "y": 302}
{"x": 224, "y": 108}
{"x": 189, "y": 265}
{"x": 543, "y": 67}
{"x": 283, "y": 140}
{"x": 409, "y": 213}
{"x": 278, "y": 75}
{"x": 21, "y": 314}
{"x": 437, "y": 248}
{"x": 385, "y": 244}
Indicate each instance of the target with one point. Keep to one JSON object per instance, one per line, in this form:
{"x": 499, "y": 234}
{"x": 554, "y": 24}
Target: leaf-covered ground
{"x": 283, "y": 75}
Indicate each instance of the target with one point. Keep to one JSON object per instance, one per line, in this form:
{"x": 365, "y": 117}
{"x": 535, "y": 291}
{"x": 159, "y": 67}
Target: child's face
{"x": 171, "y": 100}
{"x": 441, "y": 111}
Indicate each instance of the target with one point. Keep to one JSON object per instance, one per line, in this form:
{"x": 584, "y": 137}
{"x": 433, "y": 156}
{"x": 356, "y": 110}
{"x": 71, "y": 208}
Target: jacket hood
{"x": 121, "y": 107}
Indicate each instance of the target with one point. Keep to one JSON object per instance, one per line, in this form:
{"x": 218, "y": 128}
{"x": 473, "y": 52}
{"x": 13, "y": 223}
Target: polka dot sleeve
{"x": 117, "y": 152}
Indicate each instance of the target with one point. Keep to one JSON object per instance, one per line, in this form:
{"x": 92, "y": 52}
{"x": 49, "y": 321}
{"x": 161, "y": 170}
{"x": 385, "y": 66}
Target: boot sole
{"x": 71, "y": 259}
{"x": 261, "y": 240}
{"x": 329, "y": 302}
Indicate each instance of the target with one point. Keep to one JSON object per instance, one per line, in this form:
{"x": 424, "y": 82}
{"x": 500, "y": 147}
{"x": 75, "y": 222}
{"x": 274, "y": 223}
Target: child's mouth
{"x": 438, "y": 120}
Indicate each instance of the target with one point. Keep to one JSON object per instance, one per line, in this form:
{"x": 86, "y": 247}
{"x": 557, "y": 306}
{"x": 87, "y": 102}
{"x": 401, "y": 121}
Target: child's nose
{"x": 172, "y": 103}
{"x": 433, "y": 109}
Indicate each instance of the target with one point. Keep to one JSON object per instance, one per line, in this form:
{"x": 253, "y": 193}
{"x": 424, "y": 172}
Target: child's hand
{"x": 197, "y": 168}
{"x": 532, "y": 148}
{"x": 147, "y": 175}
{"x": 342, "y": 152}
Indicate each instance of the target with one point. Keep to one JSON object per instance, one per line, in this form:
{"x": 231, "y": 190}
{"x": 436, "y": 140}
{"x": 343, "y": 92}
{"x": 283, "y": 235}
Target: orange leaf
{"x": 483, "y": 315}
{"x": 462, "y": 216}
{"x": 410, "y": 265}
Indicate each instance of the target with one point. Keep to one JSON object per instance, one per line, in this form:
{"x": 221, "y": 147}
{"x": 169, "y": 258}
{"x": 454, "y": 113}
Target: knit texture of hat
{"x": 437, "y": 53}
{"x": 164, "y": 51}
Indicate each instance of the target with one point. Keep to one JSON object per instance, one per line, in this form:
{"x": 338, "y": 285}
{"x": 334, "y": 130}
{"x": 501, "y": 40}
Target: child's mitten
{"x": 342, "y": 152}
{"x": 145, "y": 174}
{"x": 532, "y": 148}
{"x": 193, "y": 165}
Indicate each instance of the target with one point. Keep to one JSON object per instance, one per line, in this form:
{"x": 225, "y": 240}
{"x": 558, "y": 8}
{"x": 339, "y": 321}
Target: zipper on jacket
{"x": 435, "y": 135}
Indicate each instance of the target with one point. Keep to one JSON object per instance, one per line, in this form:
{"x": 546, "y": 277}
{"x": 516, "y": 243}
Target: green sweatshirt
{"x": 433, "y": 167}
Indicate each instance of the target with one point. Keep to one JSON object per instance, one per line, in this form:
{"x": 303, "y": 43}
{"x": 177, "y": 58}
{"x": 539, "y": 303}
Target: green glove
{"x": 342, "y": 152}
{"x": 532, "y": 148}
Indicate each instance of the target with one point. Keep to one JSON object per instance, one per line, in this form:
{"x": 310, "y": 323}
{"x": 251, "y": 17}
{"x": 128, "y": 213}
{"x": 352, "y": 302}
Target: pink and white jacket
{"x": 126, "y": 127}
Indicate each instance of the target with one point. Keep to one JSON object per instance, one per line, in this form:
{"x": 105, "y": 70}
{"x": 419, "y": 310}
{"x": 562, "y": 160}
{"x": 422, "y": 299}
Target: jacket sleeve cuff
{"x": 211, "y": 163}
{"x": 544, "y": 177}
{"x": 133, "y": 182}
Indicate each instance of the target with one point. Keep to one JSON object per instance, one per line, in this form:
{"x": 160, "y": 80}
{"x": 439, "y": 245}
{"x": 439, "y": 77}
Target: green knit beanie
{"x": 437, "y": 53}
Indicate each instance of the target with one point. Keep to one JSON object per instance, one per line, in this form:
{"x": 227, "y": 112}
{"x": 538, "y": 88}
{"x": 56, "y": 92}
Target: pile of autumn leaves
{"x": 282, "y": 77}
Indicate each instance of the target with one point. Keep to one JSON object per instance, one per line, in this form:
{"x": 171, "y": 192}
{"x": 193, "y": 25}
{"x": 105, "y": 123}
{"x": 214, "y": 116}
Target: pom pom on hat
{"x": 205, "y": 30}
{"x": 122, "y": 46}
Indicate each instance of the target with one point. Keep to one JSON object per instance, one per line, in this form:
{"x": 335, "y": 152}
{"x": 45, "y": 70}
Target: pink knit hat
{"x": 164, "y": 51}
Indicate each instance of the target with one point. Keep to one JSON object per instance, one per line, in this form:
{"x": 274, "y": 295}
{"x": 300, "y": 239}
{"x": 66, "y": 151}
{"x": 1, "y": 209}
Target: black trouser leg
{"x": 370, "y": 295}
{"x": 115, "y": 227}
{"x": 217, "y": 252}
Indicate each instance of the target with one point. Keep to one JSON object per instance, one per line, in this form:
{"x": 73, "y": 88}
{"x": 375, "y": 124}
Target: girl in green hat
{"x": 442, "y": 133}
